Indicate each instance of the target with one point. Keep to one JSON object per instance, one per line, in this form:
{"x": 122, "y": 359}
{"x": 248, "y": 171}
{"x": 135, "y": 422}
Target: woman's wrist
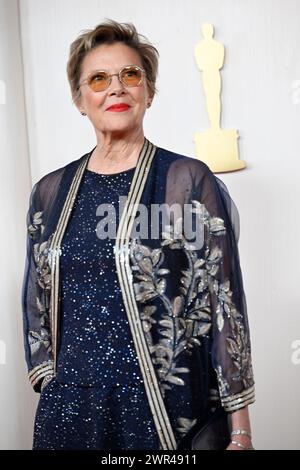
{"x": 241, "y": 438}
{"x": 241, "y": 445}
{"x": 241, "y": 432}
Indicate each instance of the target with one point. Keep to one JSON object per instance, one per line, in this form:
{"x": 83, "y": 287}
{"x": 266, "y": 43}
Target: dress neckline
{"x": 129, "y": 170}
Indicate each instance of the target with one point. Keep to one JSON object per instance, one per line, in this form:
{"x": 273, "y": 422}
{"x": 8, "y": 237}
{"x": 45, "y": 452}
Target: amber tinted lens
{"x": 99, "y": 81}
{"x": 131, "y": 76}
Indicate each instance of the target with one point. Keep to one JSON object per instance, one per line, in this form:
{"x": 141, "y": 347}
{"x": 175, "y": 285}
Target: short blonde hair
{"x": 110, "y": 32}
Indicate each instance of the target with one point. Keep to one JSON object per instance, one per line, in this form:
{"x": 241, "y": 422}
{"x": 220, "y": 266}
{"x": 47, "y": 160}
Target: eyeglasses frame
{"x": 112, "y": 75}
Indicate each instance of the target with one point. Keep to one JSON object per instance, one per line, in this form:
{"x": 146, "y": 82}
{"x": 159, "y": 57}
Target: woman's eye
{"x": 131, "y": 73}
{"x": 98, "y": 78}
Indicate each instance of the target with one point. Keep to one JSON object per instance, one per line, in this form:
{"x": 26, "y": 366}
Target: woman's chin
{"x": 119, "y": 130}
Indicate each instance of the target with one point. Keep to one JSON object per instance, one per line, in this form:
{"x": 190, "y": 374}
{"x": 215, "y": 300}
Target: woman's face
{"x": 112, "y": 57}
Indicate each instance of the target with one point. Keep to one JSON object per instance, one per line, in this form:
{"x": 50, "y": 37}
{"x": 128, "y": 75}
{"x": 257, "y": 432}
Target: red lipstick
{"x": 118, "y": 107}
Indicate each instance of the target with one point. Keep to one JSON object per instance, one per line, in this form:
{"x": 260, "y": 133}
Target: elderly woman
{"x": 135, "y": 320}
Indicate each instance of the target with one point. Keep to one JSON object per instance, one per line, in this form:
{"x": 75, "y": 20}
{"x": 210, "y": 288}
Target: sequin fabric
{"x": 97, "y": 399}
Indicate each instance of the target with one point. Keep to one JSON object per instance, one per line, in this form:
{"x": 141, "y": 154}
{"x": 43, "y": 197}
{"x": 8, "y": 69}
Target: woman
{"x": 135, "y": 320}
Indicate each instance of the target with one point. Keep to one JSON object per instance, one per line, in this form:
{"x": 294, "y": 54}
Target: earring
{"x": 83, "y": 114}
{"x": 148, "y": 105}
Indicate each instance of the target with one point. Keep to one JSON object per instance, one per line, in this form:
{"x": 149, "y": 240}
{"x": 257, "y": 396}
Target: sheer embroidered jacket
{"x": 184, "y": 300}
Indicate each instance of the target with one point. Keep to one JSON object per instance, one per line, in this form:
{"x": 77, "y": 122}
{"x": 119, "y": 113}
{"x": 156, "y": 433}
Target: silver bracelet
{"x": 242, "y": 446}
{"x": 237, "y": 432}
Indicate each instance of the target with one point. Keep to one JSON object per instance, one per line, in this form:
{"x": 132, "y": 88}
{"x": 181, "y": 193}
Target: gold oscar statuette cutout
{"x": 217, "y": 147}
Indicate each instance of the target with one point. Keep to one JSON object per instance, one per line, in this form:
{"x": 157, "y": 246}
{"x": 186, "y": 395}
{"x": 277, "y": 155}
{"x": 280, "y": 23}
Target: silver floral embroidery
{"x": 222, "y": 382}
{"x": 238, "y": 344}
{"x": 36, "y": 225}
{"x": 187, "y": 317}
{"x": 184, "y": 425}
{"x": 41, "y": 339}
{"x": 41, "y": 256}
{"x": 36, "y": 341}
{"x": 239, "y": 350}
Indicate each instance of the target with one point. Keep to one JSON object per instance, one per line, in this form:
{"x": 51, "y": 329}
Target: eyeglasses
{"x": 130, "y": 75}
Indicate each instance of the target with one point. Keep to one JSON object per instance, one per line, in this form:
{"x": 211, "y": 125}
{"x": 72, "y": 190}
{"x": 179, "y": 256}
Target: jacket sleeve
{"x": 35, "y": 295}
{"x": 231, "y": 348}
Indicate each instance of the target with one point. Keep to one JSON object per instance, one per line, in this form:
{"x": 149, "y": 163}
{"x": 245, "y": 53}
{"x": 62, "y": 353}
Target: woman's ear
{"x": 149, "y": 101}
{"x": 79, "y": 106}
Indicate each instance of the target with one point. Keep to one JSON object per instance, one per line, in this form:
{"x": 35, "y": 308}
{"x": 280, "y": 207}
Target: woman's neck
{"x": 114, "y": 155}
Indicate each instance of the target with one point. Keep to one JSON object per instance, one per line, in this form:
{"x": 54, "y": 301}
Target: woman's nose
{"x": 115, "y": 84}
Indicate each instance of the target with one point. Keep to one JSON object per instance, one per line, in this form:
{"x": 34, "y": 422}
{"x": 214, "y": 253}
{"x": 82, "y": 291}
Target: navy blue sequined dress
{"x": 97, "y": 399}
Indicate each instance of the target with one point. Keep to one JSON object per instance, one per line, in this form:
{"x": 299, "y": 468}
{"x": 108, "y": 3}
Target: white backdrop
{"x": 260, "y": 97}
